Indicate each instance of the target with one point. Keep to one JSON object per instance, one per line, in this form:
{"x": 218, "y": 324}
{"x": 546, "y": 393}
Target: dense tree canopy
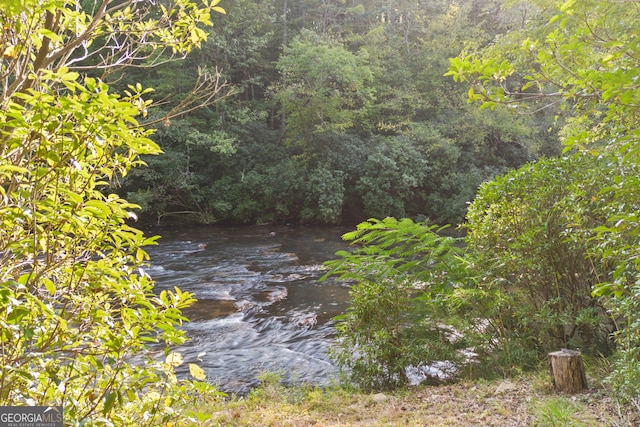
{"x": 324, "y": 94}
{"x": 325, "y": 88}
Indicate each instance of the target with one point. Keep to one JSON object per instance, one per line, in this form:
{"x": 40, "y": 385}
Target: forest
{"x": 516, "y": 122}
{"x": 331, "y": 111}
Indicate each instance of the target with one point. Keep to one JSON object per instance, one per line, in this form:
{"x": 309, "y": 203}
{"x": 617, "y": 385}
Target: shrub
{"x": 399, "y": 275}
{"x": 530, "y": 247}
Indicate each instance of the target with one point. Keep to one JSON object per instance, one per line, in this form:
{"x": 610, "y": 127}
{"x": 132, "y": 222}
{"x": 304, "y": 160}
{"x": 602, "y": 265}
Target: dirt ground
{"x": 526, "y": 401}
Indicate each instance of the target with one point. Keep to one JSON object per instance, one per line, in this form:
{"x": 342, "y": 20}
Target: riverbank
{"x": 528, "y": 400}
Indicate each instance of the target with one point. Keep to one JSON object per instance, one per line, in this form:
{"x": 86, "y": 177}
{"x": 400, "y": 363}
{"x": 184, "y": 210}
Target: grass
{"x": 528, "y": 400}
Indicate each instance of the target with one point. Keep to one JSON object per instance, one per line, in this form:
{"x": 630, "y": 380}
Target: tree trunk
{"x": 567, "y": 371}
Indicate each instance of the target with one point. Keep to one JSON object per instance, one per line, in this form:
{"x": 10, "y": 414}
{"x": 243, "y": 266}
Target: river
{"x": 260, "y": 305}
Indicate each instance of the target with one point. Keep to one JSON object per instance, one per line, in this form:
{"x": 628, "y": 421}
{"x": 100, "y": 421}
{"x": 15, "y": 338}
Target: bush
{"x": 531, "y": 249}
{"x": 616, "y": 244}
{"x": 391, "y": 176}
{"x": 399, "y": 276}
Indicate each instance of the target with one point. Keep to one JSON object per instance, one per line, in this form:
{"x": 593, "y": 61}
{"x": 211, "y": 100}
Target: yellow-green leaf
{"x": 98, "y": 207}
{"x": 11, "y": 52}
{"x": 197, "y": 372}
{"x": 50, "y": 34}
{"x": 51, "y": 287}
{"x": 174, "y": 359}
{"x": 12, "y": 169}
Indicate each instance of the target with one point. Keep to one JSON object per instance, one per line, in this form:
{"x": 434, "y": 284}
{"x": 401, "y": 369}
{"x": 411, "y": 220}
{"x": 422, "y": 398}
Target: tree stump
{"x": 567, "y": 371}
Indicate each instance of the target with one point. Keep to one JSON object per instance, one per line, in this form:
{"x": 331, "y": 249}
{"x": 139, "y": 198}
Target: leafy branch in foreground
{"x": 78, "y": 314}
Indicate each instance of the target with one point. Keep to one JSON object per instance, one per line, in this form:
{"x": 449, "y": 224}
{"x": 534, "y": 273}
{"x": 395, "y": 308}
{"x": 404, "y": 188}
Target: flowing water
{"x": 260, "y": 305}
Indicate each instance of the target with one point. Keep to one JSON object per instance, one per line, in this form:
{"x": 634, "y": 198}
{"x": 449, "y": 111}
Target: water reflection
{"x": 260, "y": 306}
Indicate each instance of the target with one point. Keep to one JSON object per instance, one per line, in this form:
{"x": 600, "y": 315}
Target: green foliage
{"x": 626, "y": 373}
{"x": 399, "y": 275}
{"x": 558, "y": 412}
{"x": 78, "y": 314}
{"x": 270, "y": 192}
{"x": 325, "y": 85}
{"x": 585, "y": 56}
{"x": 617, "y": 245}
{"x": 393, "y": 171}
{"x": 324, "y": 196}
{"x": 324, "y": 88}
{"x": 174, "y": 183}
{"x": 559, "y": 58}
{"x": 529, "y": 238}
